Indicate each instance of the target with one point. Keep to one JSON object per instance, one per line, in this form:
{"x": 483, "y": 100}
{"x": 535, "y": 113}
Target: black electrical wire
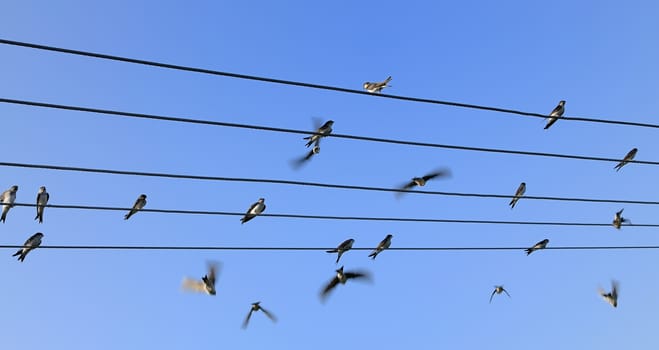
{"x": 309, "y": 85}
{"x": 101, "y": 247}
{"x": 317, "y": 184}
{"x": 335, "y": 217}
{"x": 296, "y": 131}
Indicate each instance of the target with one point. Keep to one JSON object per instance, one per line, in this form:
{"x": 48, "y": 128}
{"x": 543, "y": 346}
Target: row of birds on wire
{"x": 8, "y": 200}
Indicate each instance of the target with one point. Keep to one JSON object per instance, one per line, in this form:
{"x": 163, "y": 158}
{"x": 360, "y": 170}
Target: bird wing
{"x": 492, "y": 295}
{"x": 212, "y": 272}
{"x": 355, "y": 274}
{"x": 246, "y": 321}
{"x": 328, "y": 288}
{"x": 193, "y": 285}
{"x": 505, "y": 291}
{"x": 439, "y": 173}
{"x": 614, "y": 290}
{"x": 269, "y": 314}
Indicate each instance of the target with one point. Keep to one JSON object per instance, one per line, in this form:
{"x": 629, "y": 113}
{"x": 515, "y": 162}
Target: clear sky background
{"x": 599, "y": 56}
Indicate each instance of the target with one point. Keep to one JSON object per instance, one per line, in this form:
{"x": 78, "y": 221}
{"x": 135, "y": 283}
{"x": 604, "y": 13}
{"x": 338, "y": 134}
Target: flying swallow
{"x": 384, "y": 244}
{"x": 376, "y": 87}
{"x": 421, "y": 181}
{"x": 628, "y": 158}
{"x": 498, "y": 290}
{"x": 612, "y": 296}
{"x": 341, "y": 277}
{"x": 323, "y": 131}
{"x": 555, "y": 114}
{"x": 540, "y": 245}
{"x": 342, "y": 248}
{"x": 8, "y": 198}
{"x": 300, "y": 161}
{"x": 42, "y": 200}
{"x": 518, "y": 194}
{"x": 256, "y": 307}
{"x": 206, "y": 284}
{"x": 618, "y": 220}
{"x": 139, "y": 204}
{"x": 31, "y": 243}
{"x": 256, "y": 209}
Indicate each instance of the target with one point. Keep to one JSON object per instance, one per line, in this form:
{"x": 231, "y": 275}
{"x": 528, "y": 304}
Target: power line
{"x": 309, "y": 85}
{"x": 99, "y": 247}
{"x": 335, "y": 217}
{"x": 317, "y": 184}
{"x": 303, "y": 132}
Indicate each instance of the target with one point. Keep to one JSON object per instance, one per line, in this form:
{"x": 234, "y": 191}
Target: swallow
{"x": 342, "y": 248}
{"x": 312, "y": 152}
{"x": 42, "y": 200}
{"x": 256, "y": 209}
{"x": 555, "y": 114}
{"x": 618, "y": 220}
{"x": 377, "y": 87}
{"x": 8, "y": 198}
{"x": 421, "y": 181}
{"x": 628, "y": 158}
{"x": 540, "y": 245}
{"x": 518, "y": 194}
{"x": 384, "y": 244}
{"x": 256, "y": 307}
{"x": 31, "y": 243}
{"x": 206, "y": 284}
{"x": 139, "y": 204}
{"x": 321, "y": 132}
{"x": 612, "y": 296}
{"x": 341, "y": 277}
{"x": 498, "y": 290}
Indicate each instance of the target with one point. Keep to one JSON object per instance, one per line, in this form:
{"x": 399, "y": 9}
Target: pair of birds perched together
{"x": 207, "y": 285}
{"x": 254, "y": 210}
{"x": 8, "y": 198}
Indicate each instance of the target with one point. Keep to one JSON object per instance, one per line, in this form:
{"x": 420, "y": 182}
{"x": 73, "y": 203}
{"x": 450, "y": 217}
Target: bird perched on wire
{"x": 342, "y": 277}
{"x": 628, "y": 158}
{"x": 377, "y": 86}
{"x": 421, "y": 181}
{"x": 518, "y": 194}
{"x": 139, "y": 205}
{"x": 29, "y": 245}
{"x": 8, "y": 198}
{"x": 256, "y": 307}
{"x": 555, "y": 114}
{"x": 384, "y": 244}
{"x": 498, "y": 290}
{"x": 254, "y": 210}
{"x": 206, "y": 284}
{"x": 618, "y": 220}
{"x": 321, "y": 132}
{"x": 42, "y": 200}
{"x": 612, "y": 296}
{"x": 540, "y": 245}
{"x": 342, "y": 248}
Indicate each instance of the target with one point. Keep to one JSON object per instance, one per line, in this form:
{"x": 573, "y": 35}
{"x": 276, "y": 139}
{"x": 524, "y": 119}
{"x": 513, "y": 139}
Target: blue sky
{"x": 598, "y": 56}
